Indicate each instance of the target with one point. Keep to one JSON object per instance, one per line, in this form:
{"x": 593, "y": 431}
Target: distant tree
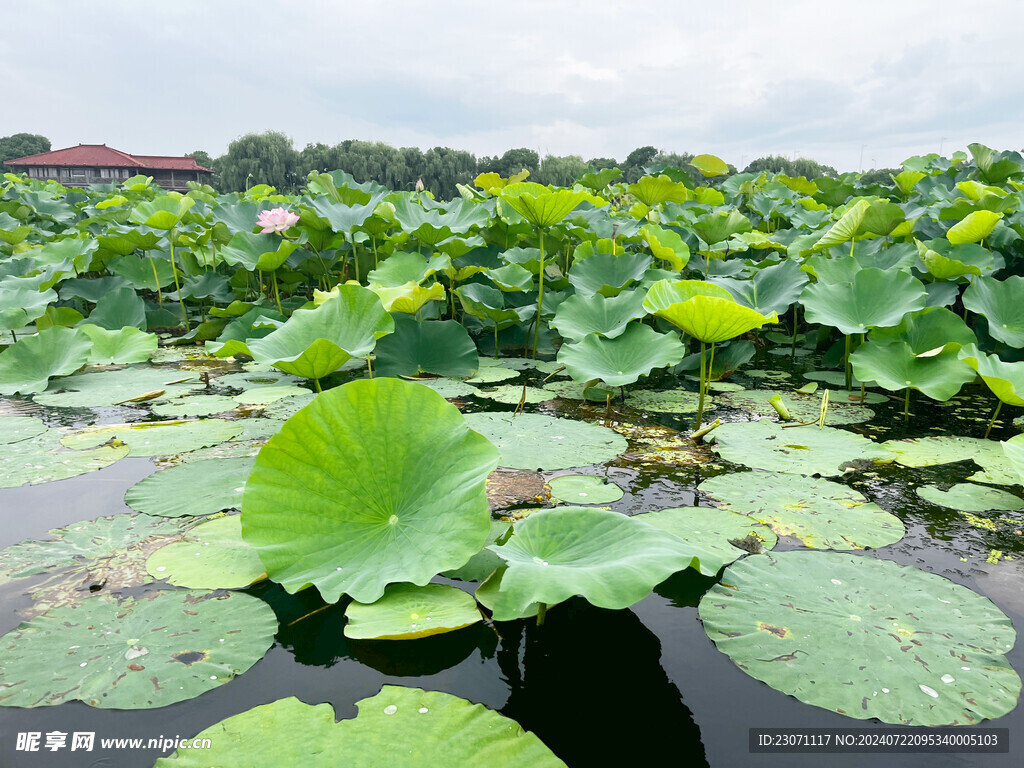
{"x": 812, "y": 169}
{"x": 415, "y": 165}
{"x": 260, "y": 158}
{"x": 316, "y": 157}
{"x": 443, "y": 168}
{"x": 21, "y": 145}
{"x": 879, "y": 176}
{"x": 600, "y": 163}
{"x": 636, "y": 160}
{"x": 675, "y": 159}
{"x": 202, "y": 158}
{"x": 560, "y": 171}
{"x": 802, "y": 166}
{"x": 518, "y": 160}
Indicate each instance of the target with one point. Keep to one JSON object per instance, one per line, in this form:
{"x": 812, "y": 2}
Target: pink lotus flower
{"x": 276, "y": 220}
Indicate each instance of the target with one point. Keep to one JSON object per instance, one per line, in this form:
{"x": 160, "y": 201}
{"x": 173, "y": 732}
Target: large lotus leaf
{"x": 974, "y": 227}
{"x": 874, "y": 298}
{"x": 719, "y": 226}
{"x": 1014, "y": 452}
{"x": 42, "y": 459}
{"x": 821, "y": 514}
{"x": 210, "y": 556}
{"x": 119, "y": 308}
{"x": 652, "y": 190}
{"x": 947, "y": 449}
{"x": 846, "y": 227}
{"x": 440, "y": 347}
{"x": 157, "y": 438}
{"x": 584, "y": 489}
{"x": 535, "y": 441}
{"x": 256, "y": 251}
{"x": 881, "y": 218}
{"x": 711, "y": 533}
{"x": 91, "y": 389}
{"x": 865, "y": 638}
{"x": 802, "y": 407}
{"x": 316, "y": 342}
{"x": 968, "y": 497}
{"x": 148, "y": 274}
{"x": 621, "y": 360}
{"x": 125, "y": 345}
{"x": 771, "y": 289}
{"x": 803, "y": 451}
{"x": 398, "y": 726}
{"x": 669, "y": 401}
{"x": 607, "y": 274}
{"x": 21, "y": 302}
{"x": 212, "y": 486}
{"x": 930, "y": 329}
{"x": 895, "y": 366}
{"x": 163, "y": 212}
{"x": 710, "y": 165}
{"x": 16, "y": 428}
{"x": 134, "y": 652}
{"x": 510, "y": 394}
{"x": 488, "y": 304}
{"x": 999, "y": 302}
{"x": 190, "y": 406}
{"x": 376, "y": 481}
{"x": 544, "y": 207}
{"x": 27, "y": 365}
{"x": 579, "y": 316}
{"x": 712, "y": 319}
{"x": 610, "y": 559}
{"x": 406, "y": 612}
{"x": 511, "y": 278}
{"x": 1006, "y": 380}
{"x": 667, "y": 245}
{"x": 401, "y": 268}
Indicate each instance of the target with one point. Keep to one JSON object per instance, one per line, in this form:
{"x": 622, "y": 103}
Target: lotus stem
{"x": 792, "y": 351}
{"x": 701, "y": 432}
{"x": 497, "y": 352}
{"x": 993, "y": 421}
{"x": 540, "y": 296}
{"x": 156, "y": 279}
{"x": 541, "y": 613}
{"x": 700, "y": 401}
{"x": 316, "y": 383}
{"x": 906, "y": 407}
{"x": 177, "y": 286}
{"x": 369, "y": 364}
{"x": 355, "y": 258}
{"x": 376, "y": 263}
{"x": 780, "y": 408}
{"x": 846, "y": 363}
{"x": 277, "y": 294}
{"x": 711, "y": 367}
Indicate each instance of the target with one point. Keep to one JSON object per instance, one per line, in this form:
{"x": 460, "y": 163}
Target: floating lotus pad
{"x": 968, "y": 497}
{"x": 821, "y": 514}
{"x": 669, "y": 401}
{"x": 90, "y": 389}
{"x": 610, "y": 559}
{"x": 191, "y": 406}
{"x": 801, "y": 407}
{"x": 376, "y": 481}
{"x": 492, "y": 374}
{"x": 13, "y": 429}
{"x": 157, "y": 438}
{"x": 134, "y": 652}
{"x": 288, "y": 406}
{"x": 267, "y": 395}
{"x": 584, "y": 489}
{"x": 210, "y": 556}
{"x": 534, "y": 441}
{"x": 865, "y": 638}
{"x": 801, "y": 450}
{"x": 406, "y": 612}
{"x": 212, "y": 485}
{"x": 42, "y": 459}
{"x": 511, "y": 394}
{"x": 398, "y": 726}
{"x": 572, "y": 390}
{"x": 709, "y": 531}
{"x": 1013, "y": 449}
{"x": 265, "y": 377}
{"x": 125, "y": 345}
{"x": 947, "y": 449}
{"x": 448, "y": 387}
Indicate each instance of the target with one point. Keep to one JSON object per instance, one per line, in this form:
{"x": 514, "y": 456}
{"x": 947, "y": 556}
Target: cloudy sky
{"x": 853, "y": 85}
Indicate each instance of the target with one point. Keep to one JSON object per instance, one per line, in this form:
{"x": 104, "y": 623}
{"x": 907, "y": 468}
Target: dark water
{"x": 641, "y": 686}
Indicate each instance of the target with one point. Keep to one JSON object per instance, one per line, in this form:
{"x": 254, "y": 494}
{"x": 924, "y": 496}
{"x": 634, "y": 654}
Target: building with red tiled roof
{"x": 99, "y": 164}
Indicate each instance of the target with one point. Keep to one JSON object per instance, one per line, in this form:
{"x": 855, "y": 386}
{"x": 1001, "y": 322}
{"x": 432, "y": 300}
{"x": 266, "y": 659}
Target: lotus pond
{"x": 636, "y": 467}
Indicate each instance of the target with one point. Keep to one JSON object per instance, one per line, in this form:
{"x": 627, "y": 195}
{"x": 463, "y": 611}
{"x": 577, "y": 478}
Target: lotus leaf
{"x": 450, "y": 388}
{"x": 999, "y": 302}
{"x": 21, "y": 302}
{"x": 895, "y": 366}
{"x": 288, "y": 406}
{"x": 398, "y": 726}
{"x": 670, "y": 401}
{"x": 267, "y": 395}
{"x": 212, "y": 486}
{"x": 263, "y": 377}
{"x": 803, "y": 451}
{"x": 1013, "y": 449}
{"x": 257, "y": 251}
{"x": 119, "y": 308}
{"x": 543, "y": 207}
{"x": 771, "y": 289}
{"x": 710, "y": 532}
{"x": 968, "y": 497}
{"x": 90, "y": 389}
{"x": 156, "y": 438}
{"x": 408, "y": 298}
{"x": 210, "y": 556}
{"x": 1006, "y": 380}
{"x": 125, "y": 345}
{"x": 873, "y": 298}
{"x": 710, "y": 165}
{"x": 654, "y": 190}
{"x": 610, "y": 559}
{"x": 41, "y": 459}
{"x": 974, "y": 227}
{"x": 108, "y": 650}
{"x": 376, "y": 481}
{"x": 720, "y": 226}
{"x": 512, "y": 394}
{"x": 492, "y": 374}
{"x": 27, "y": 366}
{"x": 703, "y": 310}
{"x": 667, "y": 245}
{"x": 946, "y": 449}
{"x": 534, "y": 441}
{"x": 571, "y": 390}
{"x": 189, "y": 406}
{"x": 406, "y": 612}
{"x": 316, "y": 342}
{"x": 584, "y": 489}
{"x": 802, "y": 407}
{"x": 16, "y": 428}
{"x": 865, "y": 638}
{"x": 846, "y": 227}
{"x": 623, "y": 359}
{"x": 821, "y": 514}
{"x": 607, "y": 274}
{"x": 488, "y": 304}
{"x": 928, "y": 330}
{"x": 579, "y": 315}
{"x": 441, "y": 347}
